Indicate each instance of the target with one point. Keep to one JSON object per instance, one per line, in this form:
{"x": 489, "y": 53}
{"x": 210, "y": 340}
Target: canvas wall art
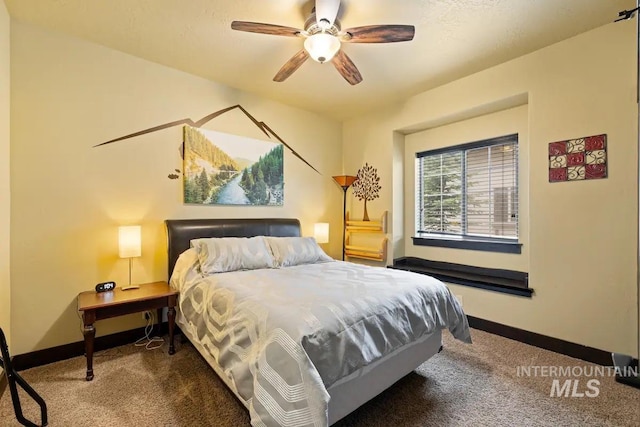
{"x": 578, "y": 159}
{"x": 224, "y": 169}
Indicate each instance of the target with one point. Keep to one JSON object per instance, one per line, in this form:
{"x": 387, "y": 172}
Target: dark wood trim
{"x": 67, "y": 351}
{"x": 492, "y": 279}
{"x": 74, "y": 349}
{"x": 556, "y": 345}
{"x": 470, "y": 244}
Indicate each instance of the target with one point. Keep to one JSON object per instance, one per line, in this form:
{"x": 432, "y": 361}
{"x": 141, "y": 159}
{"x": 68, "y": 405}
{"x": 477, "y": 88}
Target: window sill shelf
{"x": 491, "y": 279}
{"x": 489, "y": 245}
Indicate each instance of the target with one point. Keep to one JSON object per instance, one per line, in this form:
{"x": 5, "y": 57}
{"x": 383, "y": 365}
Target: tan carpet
{"x": 465, "y": 385}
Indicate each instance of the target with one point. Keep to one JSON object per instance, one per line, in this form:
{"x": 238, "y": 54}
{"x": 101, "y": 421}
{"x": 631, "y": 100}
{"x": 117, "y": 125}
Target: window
{"x": 469, "y": 193}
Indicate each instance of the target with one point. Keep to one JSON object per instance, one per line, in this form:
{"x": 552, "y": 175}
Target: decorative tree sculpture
{"x": 366, "y": 187}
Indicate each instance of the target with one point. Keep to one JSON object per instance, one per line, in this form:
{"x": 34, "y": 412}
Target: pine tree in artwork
{"x": 203, "y": 185}
{"x": 366, "y": 186}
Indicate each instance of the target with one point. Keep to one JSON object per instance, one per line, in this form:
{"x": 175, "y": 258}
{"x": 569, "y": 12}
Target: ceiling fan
{"x": 324, "y": 37}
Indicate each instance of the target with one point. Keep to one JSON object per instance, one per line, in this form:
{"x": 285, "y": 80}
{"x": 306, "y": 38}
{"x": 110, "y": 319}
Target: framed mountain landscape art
{"x": 224, "y": 169}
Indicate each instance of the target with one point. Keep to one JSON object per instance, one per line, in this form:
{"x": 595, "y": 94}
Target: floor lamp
{"x": 345, "y": 182}
{"x": 628, "y": 367}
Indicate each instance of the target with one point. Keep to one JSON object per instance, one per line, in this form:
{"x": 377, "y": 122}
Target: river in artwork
{"x": 232, "y": 193}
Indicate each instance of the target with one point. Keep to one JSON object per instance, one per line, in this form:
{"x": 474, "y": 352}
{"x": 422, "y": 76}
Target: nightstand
{"x": 97, "y": 306}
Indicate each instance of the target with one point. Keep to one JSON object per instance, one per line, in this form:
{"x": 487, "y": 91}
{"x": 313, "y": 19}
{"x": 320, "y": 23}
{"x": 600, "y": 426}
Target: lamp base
{"x": 130, "y": 286}
{"x": 628, "y": 367}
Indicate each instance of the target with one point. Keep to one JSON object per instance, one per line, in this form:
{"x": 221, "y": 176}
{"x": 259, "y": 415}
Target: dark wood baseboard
{"x": 67, "y": 351}
{"x": 567, "y": 348}
{"x": 74, "y": 349}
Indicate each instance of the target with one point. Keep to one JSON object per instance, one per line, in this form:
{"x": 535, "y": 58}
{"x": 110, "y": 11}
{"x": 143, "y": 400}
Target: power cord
{"x": 147, "y": 341}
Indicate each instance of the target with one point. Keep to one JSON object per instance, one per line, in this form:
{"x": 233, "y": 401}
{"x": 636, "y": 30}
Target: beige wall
{"x": 5, "y": 202}
{"x": 579, "y": 237}
{"x": 487, "y": 126}
{"x": 68, "y": 198}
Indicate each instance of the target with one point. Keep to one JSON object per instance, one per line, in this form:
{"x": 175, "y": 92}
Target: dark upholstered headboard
{"x": 181, "y": 231}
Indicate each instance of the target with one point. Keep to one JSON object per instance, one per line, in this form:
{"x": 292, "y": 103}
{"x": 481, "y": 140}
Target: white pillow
{"x": 289, "y": 251}
{"x": 218, "y": 255}
{"x": 186, "y": 269}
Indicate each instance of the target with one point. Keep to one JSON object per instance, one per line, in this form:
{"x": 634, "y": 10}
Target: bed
{"x": 300, "y": 365}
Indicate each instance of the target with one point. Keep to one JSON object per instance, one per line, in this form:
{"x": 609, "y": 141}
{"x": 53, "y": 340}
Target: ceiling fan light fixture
{"x": 322, "y": 46}
{"x": 323, "y": 37}
{"x": 324, "y": 24}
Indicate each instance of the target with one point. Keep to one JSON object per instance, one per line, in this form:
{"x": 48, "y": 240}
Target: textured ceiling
{"x": 454, "y": 38}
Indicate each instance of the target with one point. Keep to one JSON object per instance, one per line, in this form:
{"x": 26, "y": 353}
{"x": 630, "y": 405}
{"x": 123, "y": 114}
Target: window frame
{"x": 460, "y": 241}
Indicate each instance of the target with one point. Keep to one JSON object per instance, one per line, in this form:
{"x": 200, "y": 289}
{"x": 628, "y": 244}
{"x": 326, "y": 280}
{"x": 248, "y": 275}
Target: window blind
{"x": 469, "y": 190}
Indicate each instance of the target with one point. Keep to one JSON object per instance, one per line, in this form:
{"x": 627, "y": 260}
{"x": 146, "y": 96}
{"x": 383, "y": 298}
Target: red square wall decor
{"x": 578, "y": 159}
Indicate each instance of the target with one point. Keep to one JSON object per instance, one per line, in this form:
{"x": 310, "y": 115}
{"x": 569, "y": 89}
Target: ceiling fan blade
{"x": 380, "y": 34}
{"x": 257, "y": 27}
{"x": 326, "y": 10}
{"x": 291, "y": 65}
{"x": 346, "y": 68}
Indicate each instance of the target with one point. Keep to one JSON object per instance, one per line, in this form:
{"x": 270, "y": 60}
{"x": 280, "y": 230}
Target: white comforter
{"x": 283, "y": 336}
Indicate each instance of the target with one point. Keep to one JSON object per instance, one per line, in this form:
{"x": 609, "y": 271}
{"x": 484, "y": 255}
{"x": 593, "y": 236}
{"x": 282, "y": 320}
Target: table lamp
{"x": 321, "y": 232}
{"x": 130, "y": 243}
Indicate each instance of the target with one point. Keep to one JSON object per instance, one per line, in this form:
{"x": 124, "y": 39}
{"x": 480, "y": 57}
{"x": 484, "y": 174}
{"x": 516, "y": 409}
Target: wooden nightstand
{"x": 97, "y": 306}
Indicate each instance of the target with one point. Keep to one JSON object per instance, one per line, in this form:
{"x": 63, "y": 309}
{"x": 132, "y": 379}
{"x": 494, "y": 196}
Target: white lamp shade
{"x": 130, "y": 241}
{"x": 322, "y": 46}
{"x": 321, "y": 232}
